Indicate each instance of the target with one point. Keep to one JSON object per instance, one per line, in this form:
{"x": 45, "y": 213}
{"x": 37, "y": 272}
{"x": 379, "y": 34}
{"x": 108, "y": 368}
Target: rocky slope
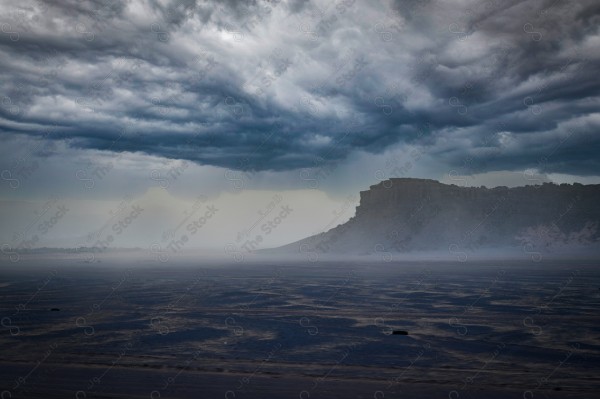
{"x": 403, "y": 215}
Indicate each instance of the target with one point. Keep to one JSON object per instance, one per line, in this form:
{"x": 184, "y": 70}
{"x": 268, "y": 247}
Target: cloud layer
{"x": 281, "y": 85}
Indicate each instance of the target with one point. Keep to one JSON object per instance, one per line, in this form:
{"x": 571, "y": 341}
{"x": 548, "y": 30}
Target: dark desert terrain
{"x": 112, "y": 329}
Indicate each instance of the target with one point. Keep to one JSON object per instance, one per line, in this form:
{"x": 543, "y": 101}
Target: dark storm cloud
{"x": 273, "y": 85}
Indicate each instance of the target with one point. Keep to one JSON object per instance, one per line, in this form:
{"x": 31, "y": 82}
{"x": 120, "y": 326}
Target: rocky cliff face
{"x": 403, "y": 215}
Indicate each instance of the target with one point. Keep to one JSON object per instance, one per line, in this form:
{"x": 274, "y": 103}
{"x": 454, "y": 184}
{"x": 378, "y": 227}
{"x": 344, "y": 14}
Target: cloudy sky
{"x": 260, "y": 108}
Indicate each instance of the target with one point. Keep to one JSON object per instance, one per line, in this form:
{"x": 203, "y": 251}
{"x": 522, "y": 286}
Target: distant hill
{"x": 405, "y": 215}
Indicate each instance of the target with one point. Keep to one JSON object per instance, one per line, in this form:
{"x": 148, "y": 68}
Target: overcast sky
{"x": 308, "y": 102}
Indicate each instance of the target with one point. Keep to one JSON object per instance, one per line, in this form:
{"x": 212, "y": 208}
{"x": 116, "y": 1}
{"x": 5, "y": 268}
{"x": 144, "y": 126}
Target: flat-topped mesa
{"x": 404, "y": 214}
{"x": 398, "y": 194}
{"x": 394, "y": 191}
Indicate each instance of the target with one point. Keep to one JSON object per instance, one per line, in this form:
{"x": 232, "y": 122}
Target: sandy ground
{"x": 289, "y": 330}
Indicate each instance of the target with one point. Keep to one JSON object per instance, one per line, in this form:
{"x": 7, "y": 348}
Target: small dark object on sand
{"x": 55, "y": 310}
{"x": 399, "y": 332}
